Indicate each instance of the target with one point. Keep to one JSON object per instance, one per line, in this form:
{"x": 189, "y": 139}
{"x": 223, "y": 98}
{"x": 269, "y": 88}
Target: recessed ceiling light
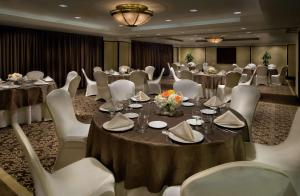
{"x": 181, "y": 31}
{"x": 238, "y": 12}
{"x": 120, "y": 25}
{"x": 157, "y": 34}
{"x": 193, "y": 10}
{"x": 77, "y": 17}
{"x": 137, "y": 35}
{"x": 248, "y": 32}
{"x": 243, "y": 28}
{"x": 168, "y": 20}
{"x": 63, "y": 5}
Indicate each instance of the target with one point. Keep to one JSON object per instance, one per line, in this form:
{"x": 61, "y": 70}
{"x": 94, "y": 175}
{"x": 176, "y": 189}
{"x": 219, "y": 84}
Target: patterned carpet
{"x": 271, "y": 126}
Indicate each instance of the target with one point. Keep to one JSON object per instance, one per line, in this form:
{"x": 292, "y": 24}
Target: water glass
{"x": 196, "y": 114}
{"x": 142, "y": 123}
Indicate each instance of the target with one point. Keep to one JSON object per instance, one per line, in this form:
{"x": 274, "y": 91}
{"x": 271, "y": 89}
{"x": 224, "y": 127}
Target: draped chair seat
{"x": 154, "y": 85}
{"x": 91, "y": 86}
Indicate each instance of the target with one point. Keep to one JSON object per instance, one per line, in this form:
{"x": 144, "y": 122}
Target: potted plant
{"x": 266, "y": 58}
{"x": 189, "y": 57}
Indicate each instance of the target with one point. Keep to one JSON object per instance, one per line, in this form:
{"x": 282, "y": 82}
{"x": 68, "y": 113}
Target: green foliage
{"x": 189, "y": 57}
{"x": 266, "y": 58}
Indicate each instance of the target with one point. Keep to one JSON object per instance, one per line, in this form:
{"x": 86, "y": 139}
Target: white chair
{"x": 185, "y": 74}
{"x": 249, "y": 82}
{"x": 150, "y": 71}
{"x": 272, "y": 66}
{"x": 279, "y": 79}
{"x": 72, "y": 134}
{"x": 232, "y": 80}
{"x": 188, "y": 88}
{"x": 285, "y": 156}
{"x": 97, "y": 69}
{"x": 139, "y": 78}
{"x": 74, "y": 84}
{"x": 205, "y": 67}
{"x": 70, "y": 76}
{"x": 35, "y": 75}
{"x": 261, "y": 75}
{"x": 91, "y": 86}
{"x": 124, "y": 69}
{"x": 154, "y": 85}
{"x": 251, "y": 66}
{"x": 235, "y": 179}
{"x": 199, "y": 67}
{"x": 85, "y": 177}
{"x": 103, "y": 91}
{"x": 244, "y": 100}
{"x": 121, "y": 90}
{"x": 173, "y": 74}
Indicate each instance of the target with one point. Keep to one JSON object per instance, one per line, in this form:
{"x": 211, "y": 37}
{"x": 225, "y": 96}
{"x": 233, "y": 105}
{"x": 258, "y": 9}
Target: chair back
{"x": 232, "y": 79}
{"x": 251, "y": 66}
{"x": 160, "y": 75}
{"x": 35, "y": 75}
{"x": 122, "y": 90}
{"x": 74, "y": 84}
{"x": 97, "y": 69}
{"x": 41, "y": 177}
{"x": 139, "y": 78}
{"x": 205, "y": 67}
{"x": 188, "y": 88}
{"x": 70, "y": 76}
{"x": 102, "y": 85}
{"x": 150, "y": 71}
{"x": 86, "y": 77}
{"x": 239, "y": 178}
{"x": 185, "y": 74}
{"x": 244, "y": 100}
{"x": 283, "y": 73}
{"x": 175, "y": 66}
{"x": 261, "y": 70}
{"x": 124, "y": 69}
{"x": 60, "y": 106}
{"x": 199, "y": 67}
{"x": 174, "y": 74}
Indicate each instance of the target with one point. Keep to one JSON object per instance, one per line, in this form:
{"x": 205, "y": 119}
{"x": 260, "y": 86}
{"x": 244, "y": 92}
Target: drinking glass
{"x": 142, "y": 122}
{"x": 196, "y": 114}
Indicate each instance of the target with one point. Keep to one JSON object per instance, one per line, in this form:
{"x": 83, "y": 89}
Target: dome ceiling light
{"x": 131, "y": 15}
{"x": 214, "y": 39}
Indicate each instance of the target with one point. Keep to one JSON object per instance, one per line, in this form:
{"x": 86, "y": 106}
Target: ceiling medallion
{"x": 132, "y": 15}
{"x": 214, "y": 40}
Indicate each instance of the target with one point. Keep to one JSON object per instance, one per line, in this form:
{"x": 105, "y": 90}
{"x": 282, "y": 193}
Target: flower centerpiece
{"x": 168, "y": 101}
{"x": 211, "y": 70}
{"x": 15, "y": 77}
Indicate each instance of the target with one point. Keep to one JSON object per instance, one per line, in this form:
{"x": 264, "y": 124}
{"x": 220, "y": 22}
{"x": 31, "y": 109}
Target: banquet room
{"x": 149, "y": 98}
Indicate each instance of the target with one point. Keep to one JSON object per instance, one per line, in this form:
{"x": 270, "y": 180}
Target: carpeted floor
{"x": 271, "y": 126}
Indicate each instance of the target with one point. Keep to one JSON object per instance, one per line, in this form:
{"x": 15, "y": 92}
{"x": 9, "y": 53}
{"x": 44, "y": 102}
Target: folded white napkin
{"x": 229, "y": 119}
{"x": 184, "y": 131}
{"x": 108, "y": 105}
{"x": 213, "y": 102}
{"x": 39, "y": 82}
{"x": 48, "y": 79}
{"x": 141, "y": 96}
{"x": 118, "y": 121}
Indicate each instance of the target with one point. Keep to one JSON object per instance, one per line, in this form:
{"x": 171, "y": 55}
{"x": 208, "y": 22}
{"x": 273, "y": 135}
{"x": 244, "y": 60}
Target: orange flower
{"x": 165, "y": 94}
{"x": 177, "y": 98}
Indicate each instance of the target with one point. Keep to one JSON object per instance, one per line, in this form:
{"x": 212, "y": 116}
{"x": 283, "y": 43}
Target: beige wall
{"x": 242, "y": 56}
{"x": 292, "y": 60}
{"x": 198, "y": 54}
{"x": 124, "y": 53}
{"x": 175, "y": 54}
{"x": 110, "y": 55}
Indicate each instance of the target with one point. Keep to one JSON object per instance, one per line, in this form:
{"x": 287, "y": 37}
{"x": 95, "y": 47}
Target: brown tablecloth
{"x": 112, "y": 78}
{"x": 209, "y": 81}
{"x": 150, "y": 159}
{"x": 25, "y": 95}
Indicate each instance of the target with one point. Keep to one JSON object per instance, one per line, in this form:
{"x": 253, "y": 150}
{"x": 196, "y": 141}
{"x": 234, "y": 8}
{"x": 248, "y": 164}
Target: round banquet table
{"x": 209, "y": 82}
{"x": 15, "y": 100}
{"x": 151, "y": 159}
{"x": 112, "y": 78}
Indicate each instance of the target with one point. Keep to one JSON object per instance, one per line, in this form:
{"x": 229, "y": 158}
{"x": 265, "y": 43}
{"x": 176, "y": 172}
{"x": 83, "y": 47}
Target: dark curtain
{"x": 151, "y": 54}
{"x": 54, "y": 53}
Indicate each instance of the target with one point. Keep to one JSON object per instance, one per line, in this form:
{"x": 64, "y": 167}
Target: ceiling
{"x": 265, "y": 22}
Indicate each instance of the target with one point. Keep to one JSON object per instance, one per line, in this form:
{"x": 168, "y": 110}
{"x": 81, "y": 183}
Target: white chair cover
{"x": 150, "y": 71}
{"x": 232, "y": 80}
{"x": 121, "y": 90}
{"x": 70, "y": 76}
{"x": 35, "y": 75}
{"x": 261, "y": 75}
{"x": 139, "y": 78}
{"x": 71, "y": 133}
{"x": 154, "y": 85}
{"x": 185, "y": 74}
{"x": 173, "y": 74}
{"x": 97, "y": 69}
{"x": 85, "y": 177}
{"x": 91, "y": 86}
{"x": 205, "y": 67}
{"x": 279, "y": 79}
{"x": 124, "y": 69}
{"x": 188, "y": 88}
{"x": 103, "y": 91}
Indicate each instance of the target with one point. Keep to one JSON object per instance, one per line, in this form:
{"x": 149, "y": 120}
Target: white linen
{"x": 229, "y": 119}
{"x": 184, "y": 131}
{"x": 213, "y": 102}
{"x": 118, "y": 121}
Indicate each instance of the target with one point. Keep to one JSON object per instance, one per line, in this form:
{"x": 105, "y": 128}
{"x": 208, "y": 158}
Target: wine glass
{"x": 196, "y": 114}
{"x": 142, "y": 122}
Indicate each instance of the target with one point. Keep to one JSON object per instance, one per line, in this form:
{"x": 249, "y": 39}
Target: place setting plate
{"x": 136, "y": 100}
{"x": 121, "y": 129}
{"x": 131, "y": 115}
{"x": 135, "y": 105}
{"x": 117, "y": 109}
{"x": 187, "y": 104}
{"x": 185, "y": 99}
{"x": 157, "y": 124}
{"x": 231, "y": 126}
{"x": 193, "y": 122}
{"x": 208, "y": 111}
{"x": 197, "y": 135}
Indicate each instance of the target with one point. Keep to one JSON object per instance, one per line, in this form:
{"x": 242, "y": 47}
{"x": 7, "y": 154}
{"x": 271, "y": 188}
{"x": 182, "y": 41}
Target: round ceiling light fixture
{"x": 214, "y": 39}
{"x": 131, "y": 15}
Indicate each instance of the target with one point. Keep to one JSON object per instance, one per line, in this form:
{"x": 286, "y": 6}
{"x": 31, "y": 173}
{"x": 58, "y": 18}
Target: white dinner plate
{"x": 187, "y": 104}
{"x": 197, "y": 135}
{"x": 185, "y": 99}
{"x": 131, "y": 115}
{"x": 135, "y": 99}
{"x": 135, "y": 105}
{"x": 157, "y": 124}
{"x": 193, "y": 122}
{"x": 119, "y": 108}
{"x": 208, "y": 111}
{"x": 230, "y": 126}
{"x": 118, "y": 129}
